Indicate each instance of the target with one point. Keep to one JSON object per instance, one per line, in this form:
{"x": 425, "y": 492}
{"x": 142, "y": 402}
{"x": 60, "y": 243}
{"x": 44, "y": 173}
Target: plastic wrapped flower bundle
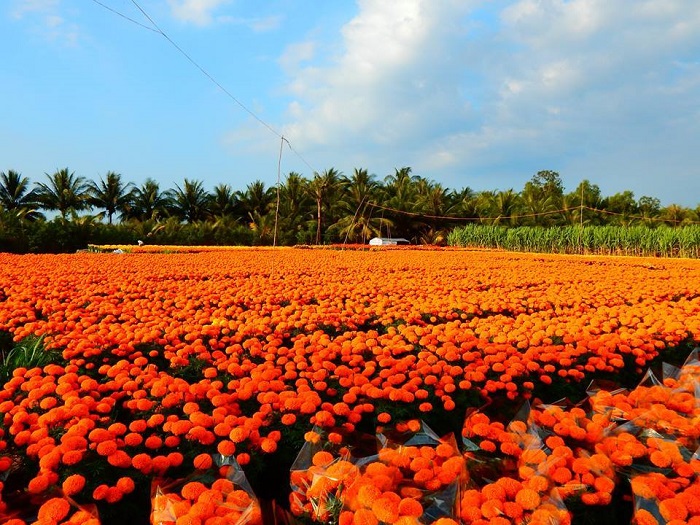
{"x": 571, "y": 464}
{"x": 509, "y": 501}
{"x": 490, "y": 451}
{"x": 52, "y": 510}
{"x": 217, "y": 493}
{"x": 530, "y": 495}
{"x": 686, "y": 378}
{"x": 414, "y": 480}
{"x": 319, "y": 478}
{"x": 670, "y": 406}
{"x": 659, "y": 500}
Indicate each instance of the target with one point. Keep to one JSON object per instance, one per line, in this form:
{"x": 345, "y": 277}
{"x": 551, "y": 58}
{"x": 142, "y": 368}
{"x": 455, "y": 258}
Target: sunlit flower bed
{"x": 429, "y": 382}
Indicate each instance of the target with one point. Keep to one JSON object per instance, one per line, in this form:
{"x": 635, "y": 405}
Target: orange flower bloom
{"x": 54, "y": 510}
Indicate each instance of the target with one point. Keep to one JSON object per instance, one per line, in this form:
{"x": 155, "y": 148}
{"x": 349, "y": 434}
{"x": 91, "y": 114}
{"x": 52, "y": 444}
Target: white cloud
{"x": 23, "y": 7}
{"x": 196, "y": 11}
{"x": 389, "y": 79}
{"x": 454, "y": 88}
{"x": 297, "y": 53}
{"x": 46, "y": 18}
{"x": 203, "y": 13}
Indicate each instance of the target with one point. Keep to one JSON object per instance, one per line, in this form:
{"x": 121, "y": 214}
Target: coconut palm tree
{"x": 111, "y": 195}
{"x": 190, "y": 202}
{"x": 294, "y": 209}
{"x": 436, "y": 204}
{"x": 294, "y": 197}
{"x": 356, "y": 208}
{"x": 256, "y": 198}
{"x": 322, "y": 189}
{"x": 224, "y": 202}
{"x": 149, "y": 203}
{"x": 64, "y": 192}
{"x": 400, "y": 198}
{"x": 675, "y": 215}
{"x": 16, "y": 197}
{"x": 507, "y": 207}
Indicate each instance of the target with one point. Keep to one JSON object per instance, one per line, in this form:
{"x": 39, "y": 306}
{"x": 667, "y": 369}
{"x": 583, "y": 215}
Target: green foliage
{"x": 28, "y": 353}
{"x": 605, "y": 240}
{"x": 331, "y": 208}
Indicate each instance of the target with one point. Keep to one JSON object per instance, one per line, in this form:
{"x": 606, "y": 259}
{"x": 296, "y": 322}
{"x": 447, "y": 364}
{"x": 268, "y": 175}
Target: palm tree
{"x": 362, "y": 227}
{"x": 16, "y": 198}
{"x": 538, "y": 205}
{"x": 148, "y": 203}
{"x": 400, "y": 196}
{"x": 294, "y": 197}
{"x": 263, "y": 226}
{"x": 294, "y": 209}
{"x": 64, "y": 192}
{"x": 586, "y": 195}
{"x": 623, "y": 206}
{"x": 322, "y": 189}
{"x": 649, "y": 209}
{"x": 224, "y": 202}
{"x": 111, "y": 194}
{"x": 506, "y": 205}
{"x": 435, "y": 202}
{"x": 356, "y": 207}
{"x": 360, "y": 187}
{"x": 190, "y": 202}
{"x": 256, "y": 198}
{"x": 465, "y": 203}
{"x": 675, "y": 215}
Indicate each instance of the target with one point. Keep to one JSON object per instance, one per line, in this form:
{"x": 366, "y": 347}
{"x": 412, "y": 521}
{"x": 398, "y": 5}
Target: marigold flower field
{"x": 358, "y": 387}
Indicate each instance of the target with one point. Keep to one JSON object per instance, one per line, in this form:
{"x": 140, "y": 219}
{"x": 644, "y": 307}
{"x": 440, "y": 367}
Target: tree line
{"x": 329, "y": 207}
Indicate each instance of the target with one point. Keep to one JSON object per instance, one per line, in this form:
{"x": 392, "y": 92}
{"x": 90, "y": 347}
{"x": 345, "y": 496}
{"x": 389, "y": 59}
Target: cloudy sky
{"x": 478, "y": 93}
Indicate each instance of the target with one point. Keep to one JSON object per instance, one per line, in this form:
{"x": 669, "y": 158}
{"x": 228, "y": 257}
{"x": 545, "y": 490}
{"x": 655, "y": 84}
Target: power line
{"x": 453, "y": 218}
{"x": 125, "y": 17}
{"x": 156, "y": 29}
{"x": 530, "y": 215}
{"x": 204, "y": 71}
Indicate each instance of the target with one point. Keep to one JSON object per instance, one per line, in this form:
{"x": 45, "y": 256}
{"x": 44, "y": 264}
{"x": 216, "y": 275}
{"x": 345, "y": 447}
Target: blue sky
{"x": 478, "y": 93}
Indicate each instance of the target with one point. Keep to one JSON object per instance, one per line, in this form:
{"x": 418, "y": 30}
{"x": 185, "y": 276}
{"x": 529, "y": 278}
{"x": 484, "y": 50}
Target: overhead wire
{"x": 531, "y": 215}
{"x": 157, "y": 29}
{"x": 125, "y": 17}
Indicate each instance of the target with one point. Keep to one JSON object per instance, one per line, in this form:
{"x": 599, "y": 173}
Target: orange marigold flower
{"x": 322, "y": 458}
{"x": 54, "y": 510}
{"x": 410, "y": 507}
{"x": 126, "y": 485}
{"x": 312, "y": 437}
{"x": 673, "y": 509}
{"x": 384, "y": 417}
{"x": 487, "y": 446}
{"x": 660, "y": 459}
{"x": 288, "y": 419}
{"x": 193, "y": 490}
{"x": 386, "y": 509}
{"x": 268, "y": 445}
{"x": 100, "y": 492}
{"x": 364, "y": 517}
{"x": 368, "y": 494}
{"x": 38, "y": 484}
{"x": 226, "y": 448}
{"x": 528, "y": 499}
{"x": 73, "y": 484}
{"x": 446, "y": 521}
{"x": 202, "y": 461}
{"x": 644, "y": 517}
{"x": 492, "y": 508}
